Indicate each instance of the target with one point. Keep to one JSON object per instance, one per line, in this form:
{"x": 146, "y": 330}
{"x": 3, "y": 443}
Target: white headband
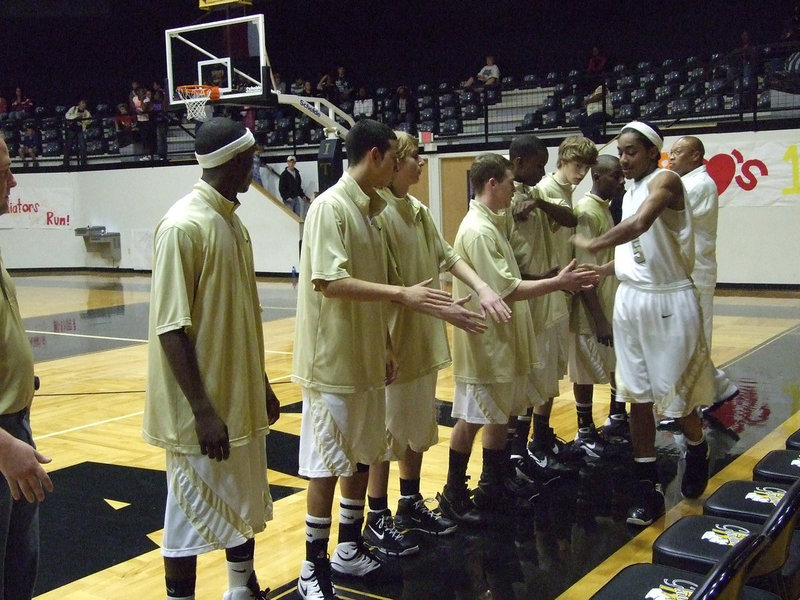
{"x": 222, "y": 155}
{"x": 647, "y": 132}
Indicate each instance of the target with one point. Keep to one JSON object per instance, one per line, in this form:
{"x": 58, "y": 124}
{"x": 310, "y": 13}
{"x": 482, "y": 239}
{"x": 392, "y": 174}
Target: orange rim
{"x": 210, "y": 91}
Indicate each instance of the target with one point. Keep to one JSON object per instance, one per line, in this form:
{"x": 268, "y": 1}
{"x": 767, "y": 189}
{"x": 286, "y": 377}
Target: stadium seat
{"x": 674, "y": 78}
{"x": 427, "y": 126}
{"x": 530, "y": 81}
{"x": 644, "y": 65}
{"x": 573, "y": 76}
{"x": 449, "y": 113}
{"x": 719, "y": 86}
{"x": 407, "y": 127}
{"x": 764, "y": 100}
{"x": 571, "y": 117}
{"x": 779, "y": 466}
{"x": 561, "y": 89}
{"x": 450, "y": 127}
{"x": 508, "y": 82}
{"x": 640, "y": 96}
{"x": 627, "y": 112}
{"x": 665, "y": 92}
{"x": 444, "y": 87}
{"x": 51, "y": 149}
{"x": 620, "y": 97}
{"x": 424, "y": 89}
{"x": 651, "y": 110}
{"x": 531, "y": 120}
{"x": 697, "y": 542}
{"x": 724, "y": 582}
{"x": 692, "y": 90}
{"x": 315, "y": 135}
{"x": 383, "y": 93}
{"x": 627, "y": 82}
{"x": 95, "y": 147}
{"x": 471, "y": 111}
{"x": 424, "y": 102}
{"x": 448, "y": 99}
{"x": 347, "y": 106}
{"x": 493, "y": 96}
{"x": 469, "y": 98}
{"x": 696, "y": 74}
{"x": 669, "y": 64}
{"x": 692, "y": 61}
{"x": 551, "y": 119}
{"x": 619, "y": 70}
{"x": 551, "y": 78}
{"x": 427, "y": 114}
{"x": 650, "y": 81}
{"x": 681, "y": 106}
{"x": 389, "y": 117}
{"x": 570, "y": 102}
{"x": 747, "y": 82}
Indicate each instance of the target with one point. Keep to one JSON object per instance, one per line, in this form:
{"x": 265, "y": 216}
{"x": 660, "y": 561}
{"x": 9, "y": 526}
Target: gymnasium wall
{"x": 758, "y": 241}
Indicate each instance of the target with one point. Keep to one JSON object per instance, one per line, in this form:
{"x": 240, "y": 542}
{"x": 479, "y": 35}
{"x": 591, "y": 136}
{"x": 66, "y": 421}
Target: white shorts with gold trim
{"x": 340, "y": 430}
{"x": 411, "y": 415}
{"x": 215, "y": 505}
{"x": 491, "y": 403}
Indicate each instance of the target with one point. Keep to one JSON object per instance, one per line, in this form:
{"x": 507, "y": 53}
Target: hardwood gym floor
{"x": 101, "y": 527}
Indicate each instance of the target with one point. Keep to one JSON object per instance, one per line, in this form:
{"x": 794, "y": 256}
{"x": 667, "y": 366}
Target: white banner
{"x": 34, "y": 207}
{"x": 752, "y": 169}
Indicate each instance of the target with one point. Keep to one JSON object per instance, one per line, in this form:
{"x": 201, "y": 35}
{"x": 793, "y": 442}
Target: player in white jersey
{"x": 686, "y": 159}
{"x": 662, "y": 356}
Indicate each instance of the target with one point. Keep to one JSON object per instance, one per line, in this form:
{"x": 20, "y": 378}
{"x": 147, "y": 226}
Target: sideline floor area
{"x": 102, "y": 525}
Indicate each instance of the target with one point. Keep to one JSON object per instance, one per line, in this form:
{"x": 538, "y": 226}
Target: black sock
{"x": 495, "y": 466}
{"x": 378, "y": 504}
{"x": 317, "y": 549}
{"x": 409, "y": 487}
{"x": 645, "y": 471}
{"x": 522, "y": 431}
{"x": 457, "y": 470}
{"x": 585, "y": 418}
{"x": 541, "y": 432}
{"x": 700, "y": 449}
{"x": 181, "y": 588}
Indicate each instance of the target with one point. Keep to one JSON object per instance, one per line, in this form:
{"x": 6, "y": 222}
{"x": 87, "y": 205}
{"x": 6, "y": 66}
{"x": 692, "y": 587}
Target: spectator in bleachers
{"x": 364, "y": 105}
{"x": 160, "y": 119}
{"x": 298, "y": 86}
{"x": 308, "y": 90}
{"x": 21, "y": 106}
{"x": 30, "y": 144}
{"x": 597, "y": 62}
{"x": 488, "y": 76}
{"x": 142, "y": 107}
{"x": 3, "y": 107}
{"x": 77, "y": 119}
{"x": 290, "y": 186}
{"x": 342, "y": 84}
{"x": 326, "y": 87}
{"x": 127, "y": 136}
{"x": 133, "y": 94}
{"x": 406, "y": 107}
{"x": 743, "y": 60}
{"x": 280, "y": 86}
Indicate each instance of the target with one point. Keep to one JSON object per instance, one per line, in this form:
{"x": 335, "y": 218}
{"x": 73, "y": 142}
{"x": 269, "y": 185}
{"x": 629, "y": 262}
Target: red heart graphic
{"x": 721, "y": 168}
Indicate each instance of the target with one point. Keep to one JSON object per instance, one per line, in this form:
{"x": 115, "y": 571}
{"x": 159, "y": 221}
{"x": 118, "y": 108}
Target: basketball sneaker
{"x": 457, "y": 506}
{"x": 380, "y": 533}
{"x": 314, "y": 582}
{"x": 251, "y": 591}
{"x": 591, "y": 444}
{"x": 695, "y": 475}
{"x": 616, "y": 428}
{"x": 647, "y": 504}
{"x": 354, "y": 559}
{"x": 414, "y": 515}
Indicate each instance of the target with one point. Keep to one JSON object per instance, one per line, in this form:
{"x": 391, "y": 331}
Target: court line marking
{"x": 120, "y": 339}
{"x": 88, "y": 425}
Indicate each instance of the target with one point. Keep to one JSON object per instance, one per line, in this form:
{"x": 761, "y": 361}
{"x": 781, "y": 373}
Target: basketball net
{"x": 195, "y": 98}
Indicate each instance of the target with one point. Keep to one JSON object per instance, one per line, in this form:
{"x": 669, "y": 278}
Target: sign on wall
{"x": 756, "y": 169}
{"x": 34, "y": 207}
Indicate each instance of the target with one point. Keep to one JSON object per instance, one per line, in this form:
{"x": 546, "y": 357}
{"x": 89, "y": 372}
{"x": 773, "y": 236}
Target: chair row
{"x": 747, "y": 534}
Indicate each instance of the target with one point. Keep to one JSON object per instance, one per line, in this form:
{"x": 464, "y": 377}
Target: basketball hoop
{"x": 195, "y": 98}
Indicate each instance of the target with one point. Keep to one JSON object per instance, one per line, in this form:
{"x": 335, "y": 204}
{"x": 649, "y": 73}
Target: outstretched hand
{"x": 426, "y": 299}
{"x": 575, "y": 280}
{"x": 492, "y": 303}
{"x": 459, "y": 316}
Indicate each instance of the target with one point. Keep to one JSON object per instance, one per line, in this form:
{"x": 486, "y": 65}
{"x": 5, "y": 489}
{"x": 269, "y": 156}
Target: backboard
{"x": 230, "y": 54}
